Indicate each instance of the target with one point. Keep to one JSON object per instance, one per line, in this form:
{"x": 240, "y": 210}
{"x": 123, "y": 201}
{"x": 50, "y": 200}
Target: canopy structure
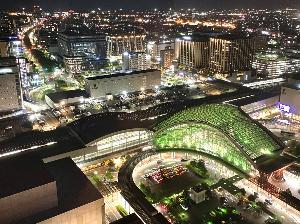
{"x": 221, "y": 130}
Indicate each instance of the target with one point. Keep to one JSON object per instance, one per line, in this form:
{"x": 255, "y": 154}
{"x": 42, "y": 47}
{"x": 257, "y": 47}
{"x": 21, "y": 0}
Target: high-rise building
{"x": 11, "y": 46}
{"x": 154, "y": 48}
{"x": 135, "y": 61}
{"x": 192, "y": 51}
{"x": 166, "y": 57}
{"x": 261, "y": 40}
{"x": 87, "y": 51}
{"x": 230, "y": 54}
{"x": 117, "y": 45}
{"x": 10, "y": 86}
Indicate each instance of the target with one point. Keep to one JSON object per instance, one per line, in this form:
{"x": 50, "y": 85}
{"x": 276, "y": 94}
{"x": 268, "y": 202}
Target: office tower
{"x": 261, "y": 41}
{"x": 81, "y": 51}
{"x": 192, "y": 51}
{"x": 166, "y": 57}
{"x": 135, "y": 61}
{"x": 230, "y": 54}
{"x": 10, "y": 87}
{"x": 154, "y": 48}
{"x": 11, "y": 46}
{"x": 117, "y": 45}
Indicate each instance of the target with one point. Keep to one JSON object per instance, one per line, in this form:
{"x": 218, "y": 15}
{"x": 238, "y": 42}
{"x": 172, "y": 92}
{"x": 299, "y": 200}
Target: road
{"x": 286, "y": 213}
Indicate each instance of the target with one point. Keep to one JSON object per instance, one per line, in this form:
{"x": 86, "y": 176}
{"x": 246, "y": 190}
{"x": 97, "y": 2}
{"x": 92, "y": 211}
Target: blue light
{"x": 284, "y": 108}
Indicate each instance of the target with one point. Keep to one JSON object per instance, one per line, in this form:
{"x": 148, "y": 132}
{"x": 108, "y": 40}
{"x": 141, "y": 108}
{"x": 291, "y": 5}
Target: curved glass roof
{"x": 253, "y": 139}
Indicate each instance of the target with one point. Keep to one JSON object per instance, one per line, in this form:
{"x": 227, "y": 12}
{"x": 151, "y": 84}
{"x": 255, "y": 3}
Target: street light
{"x": 125, "y": 94}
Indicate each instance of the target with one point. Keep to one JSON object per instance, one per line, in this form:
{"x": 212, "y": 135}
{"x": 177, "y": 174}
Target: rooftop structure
{"x": 10, "y": 85}
{"x": 241, "y": 140}
{"x": 122, "y": 83}
{"x": 52, "y": 192}
{"x": 57, "y": 99}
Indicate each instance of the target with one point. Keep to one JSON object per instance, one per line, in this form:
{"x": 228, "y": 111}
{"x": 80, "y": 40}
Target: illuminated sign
{"x": 284, "y": 108}
{"x": 5, "y": 70}
{"x": 187, "y": 38}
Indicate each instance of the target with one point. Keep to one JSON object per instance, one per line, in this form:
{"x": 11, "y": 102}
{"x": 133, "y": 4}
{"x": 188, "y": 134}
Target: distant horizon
{"x": 55, "y": 5}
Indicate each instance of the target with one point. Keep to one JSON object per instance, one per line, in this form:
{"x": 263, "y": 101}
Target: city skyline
{"x": 116, "y": 112}
{"x": 144, "y": 4}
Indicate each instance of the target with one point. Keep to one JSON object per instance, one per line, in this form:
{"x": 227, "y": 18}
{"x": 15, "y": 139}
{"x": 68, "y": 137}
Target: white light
{"x": 5, "y": 70}
{"x": 187, "y": 38}
{"x": 32, "y": 117}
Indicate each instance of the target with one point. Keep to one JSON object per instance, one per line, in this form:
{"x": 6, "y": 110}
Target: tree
{"x": 288, "y": 191}
{"x": 198, "y": 167}
{"x": 251, "y": 197}
{"x": 109, "y": 176}
{"x": 111, "y": 164}
{"x": 185, "y": 197}
{"x": 243, "y": 191}
{"x": 209, "y": 193}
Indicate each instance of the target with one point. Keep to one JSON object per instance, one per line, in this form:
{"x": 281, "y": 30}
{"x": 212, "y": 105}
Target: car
{"x": 268, "y": 202}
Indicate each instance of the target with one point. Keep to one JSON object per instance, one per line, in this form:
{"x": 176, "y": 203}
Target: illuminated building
{"x": 154, "y": 48}
{"x": 11, "y": 46}
{"x": 192, "y": 51}
{"x": 58, "y": 99}
{"x": 230, "y": 54}
{"x": 290, "y": 97}
{"x": 261, "y": 40}
{"x": 23, "y": 67}
{"x": 166, "y": 57}
{"x": 135, "y": 61}
{"x": 215, "y": 129}
{"x": 117, "y": 45}
{"x": 122, "y": 83}
{"x": 272, "y": 64}
{"x": 74, "y": 65}
{"x": 219, "y": 53}
{"x": 10, "y": 85}
{"x": 81, "y": 51}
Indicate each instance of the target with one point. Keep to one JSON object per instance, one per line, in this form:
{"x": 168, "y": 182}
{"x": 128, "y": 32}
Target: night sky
{"x": 142, "y": 4}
